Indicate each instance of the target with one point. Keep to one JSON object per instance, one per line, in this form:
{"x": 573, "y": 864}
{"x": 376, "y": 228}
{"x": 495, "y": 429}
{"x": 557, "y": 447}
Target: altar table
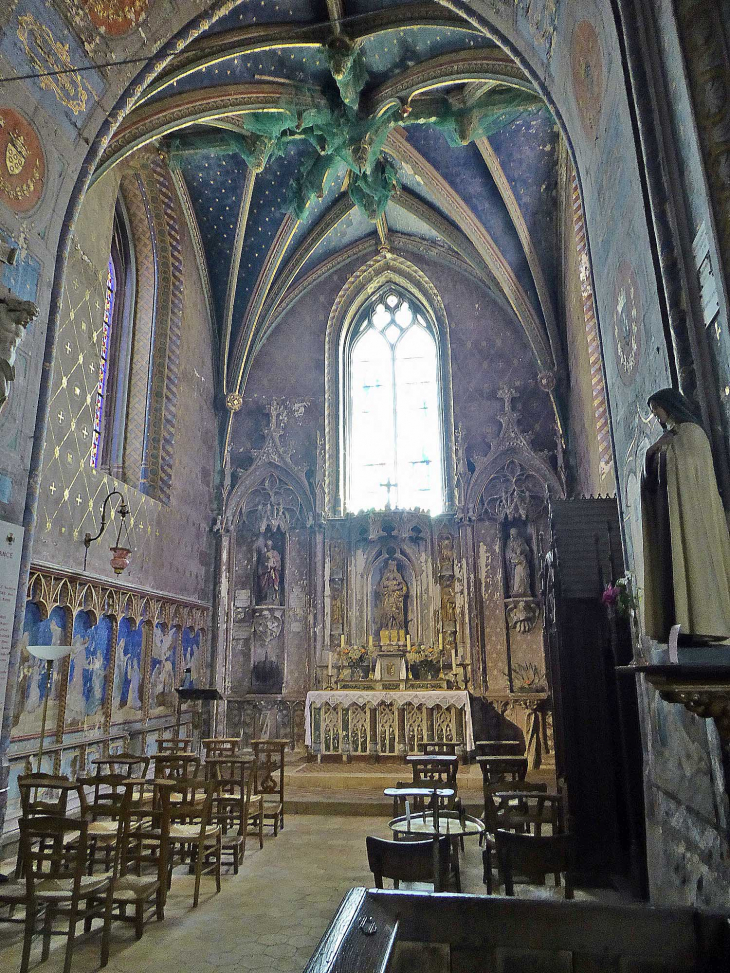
{"x": 386, "y": 722}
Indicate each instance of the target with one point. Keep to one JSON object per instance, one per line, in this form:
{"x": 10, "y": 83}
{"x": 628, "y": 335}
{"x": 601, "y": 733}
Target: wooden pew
{"x": 375, "y": 931}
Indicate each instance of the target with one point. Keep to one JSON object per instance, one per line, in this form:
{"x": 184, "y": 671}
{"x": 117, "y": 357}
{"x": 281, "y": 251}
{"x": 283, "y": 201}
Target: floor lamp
{"x": 50, "y": 653}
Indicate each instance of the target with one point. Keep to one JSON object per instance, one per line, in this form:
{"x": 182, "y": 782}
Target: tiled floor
{"x": 269, "y": 917}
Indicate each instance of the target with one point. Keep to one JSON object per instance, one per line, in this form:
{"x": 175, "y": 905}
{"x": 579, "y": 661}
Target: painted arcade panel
{"x": 163, "y": 670}
{"x": 129, "y": 663}
{"x": 88, "y": 680}
{"x": 32, "y": 676}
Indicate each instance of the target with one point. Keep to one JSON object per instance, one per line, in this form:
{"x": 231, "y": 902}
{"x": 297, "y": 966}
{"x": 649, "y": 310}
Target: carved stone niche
{"x": 15, "y": 316}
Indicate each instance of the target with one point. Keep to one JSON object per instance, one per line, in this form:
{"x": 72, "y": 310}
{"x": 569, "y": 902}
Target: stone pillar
{"x": 472, "y": 614}
{"x": 401, "y": 745}
{"x": 373, "y": 716}
{"x": 430, "y": 732}
{"x": 317, "y": 600}
{"x": 220, "y": 643}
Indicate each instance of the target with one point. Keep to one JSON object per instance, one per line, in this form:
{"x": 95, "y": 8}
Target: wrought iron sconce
{"x": 121, "y": 550}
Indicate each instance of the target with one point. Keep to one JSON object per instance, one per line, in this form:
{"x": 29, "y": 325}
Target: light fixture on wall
{"x": 49, "y": 653}
{"x": 122, "y": 548}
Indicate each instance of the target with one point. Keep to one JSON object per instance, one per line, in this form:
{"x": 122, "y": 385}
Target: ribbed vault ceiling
{"x": 491, "y": 202}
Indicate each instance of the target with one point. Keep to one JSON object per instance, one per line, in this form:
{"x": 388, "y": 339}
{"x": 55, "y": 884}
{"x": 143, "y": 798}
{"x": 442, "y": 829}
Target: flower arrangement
{"x": 619, "y": 597}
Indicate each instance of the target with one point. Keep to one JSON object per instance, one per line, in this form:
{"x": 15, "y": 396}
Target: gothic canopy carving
{"x": 271, "y": 493}
{"x": 512, "y": 481}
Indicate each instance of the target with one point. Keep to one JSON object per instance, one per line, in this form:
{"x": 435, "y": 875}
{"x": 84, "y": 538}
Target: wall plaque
{"x": 11, "y": 545}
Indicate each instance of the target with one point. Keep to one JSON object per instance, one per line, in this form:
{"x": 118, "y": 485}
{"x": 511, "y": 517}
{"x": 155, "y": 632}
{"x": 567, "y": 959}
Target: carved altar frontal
{"x": 376, "y": 722}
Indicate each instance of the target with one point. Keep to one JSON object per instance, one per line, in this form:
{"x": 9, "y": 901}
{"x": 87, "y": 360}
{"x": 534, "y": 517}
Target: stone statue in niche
{"x": 446, "y": 555}
{"x": 392, "y": 591}
{"x": 517, "y": 554}
{"x": 15, "y": 316}
{"x": 269, "y": 574}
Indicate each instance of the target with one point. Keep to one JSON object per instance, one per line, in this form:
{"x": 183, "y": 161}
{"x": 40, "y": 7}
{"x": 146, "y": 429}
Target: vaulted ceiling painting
{"x": 300, "y": 133}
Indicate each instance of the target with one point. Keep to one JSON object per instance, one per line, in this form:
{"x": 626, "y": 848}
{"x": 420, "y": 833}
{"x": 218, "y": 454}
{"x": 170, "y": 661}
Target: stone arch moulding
{"x": 384, "y": 269}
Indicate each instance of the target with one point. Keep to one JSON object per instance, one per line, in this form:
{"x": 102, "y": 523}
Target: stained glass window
{"x": 111, "y": 286}
{"x": 394, "y": 424}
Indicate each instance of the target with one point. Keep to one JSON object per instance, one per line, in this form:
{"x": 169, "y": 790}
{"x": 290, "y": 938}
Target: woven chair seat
{"x": 58, "y": 889}
{"x": 134, "y": 888}
{"x": 190, "y": 832}
{"x": 12, "y": 892}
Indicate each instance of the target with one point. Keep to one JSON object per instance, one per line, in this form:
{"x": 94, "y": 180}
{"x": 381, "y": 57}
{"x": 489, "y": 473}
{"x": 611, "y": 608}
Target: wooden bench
{"x": 376, "y": 931}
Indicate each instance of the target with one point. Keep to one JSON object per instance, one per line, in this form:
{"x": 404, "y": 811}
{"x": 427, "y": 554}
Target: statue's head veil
{"x": 676, "y": 405}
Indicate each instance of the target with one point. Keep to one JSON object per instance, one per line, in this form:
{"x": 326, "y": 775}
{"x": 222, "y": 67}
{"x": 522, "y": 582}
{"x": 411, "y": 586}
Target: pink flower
{"x": 610, "y": 596}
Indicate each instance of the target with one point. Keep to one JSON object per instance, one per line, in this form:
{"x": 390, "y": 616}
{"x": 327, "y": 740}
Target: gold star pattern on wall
{"x": 72, "y": 491}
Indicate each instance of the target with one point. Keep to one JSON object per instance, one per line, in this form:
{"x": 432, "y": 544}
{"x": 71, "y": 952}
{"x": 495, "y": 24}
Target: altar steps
{"x": 356, "y": 789}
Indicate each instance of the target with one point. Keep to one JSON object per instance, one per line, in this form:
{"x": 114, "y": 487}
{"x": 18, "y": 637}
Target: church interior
{"x": 364, "y": 485}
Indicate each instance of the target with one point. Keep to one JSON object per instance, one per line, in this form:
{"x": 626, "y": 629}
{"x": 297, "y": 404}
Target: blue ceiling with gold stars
{"x": 443, "y": 187}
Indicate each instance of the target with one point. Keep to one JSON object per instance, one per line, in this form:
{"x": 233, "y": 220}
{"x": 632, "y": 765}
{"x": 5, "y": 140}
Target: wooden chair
{"x": 221, "y": 747}
{"x": 142, "y": 842}
{"x": 409, "y": 861}
{"x": 269, "y": 780}
{"x": 128, "y": 764}
{"x": 235, "y": 807}
{"x": 174, "y": 745}
{"x": 502, "y": 768}
{"x": 56, "y": 886}
{"x": 186, "y": 827}
{"x": 494, "y": 818}
{"x": 534, "y": 858}
{"x": 436, "y": 771}
{"x": 102, "y": 811}
{"x": 528, "y": 811}
{"x": 499, "y": 748}
{"x": 144, "y": 893}
{"x": 438, "y": 748}
{"x": 174, "y": 765}
{"x": 44, "y": 795}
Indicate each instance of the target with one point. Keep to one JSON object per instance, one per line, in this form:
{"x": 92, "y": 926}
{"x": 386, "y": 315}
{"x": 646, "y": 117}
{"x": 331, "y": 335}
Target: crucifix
{"x": 388, "y": 486}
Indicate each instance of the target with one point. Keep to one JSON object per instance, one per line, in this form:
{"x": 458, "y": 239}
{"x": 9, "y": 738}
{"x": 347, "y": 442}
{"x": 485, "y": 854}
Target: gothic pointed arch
{"x": 383, "y": 271}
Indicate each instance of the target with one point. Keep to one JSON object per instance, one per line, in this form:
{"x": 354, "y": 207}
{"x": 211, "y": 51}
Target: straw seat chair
{"x": 187, "y": 829}
{"x": 55, "y": 886}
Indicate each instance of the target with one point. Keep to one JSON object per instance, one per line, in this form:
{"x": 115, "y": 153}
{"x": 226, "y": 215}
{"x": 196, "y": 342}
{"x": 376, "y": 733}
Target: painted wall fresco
{"x": 89, "y": 671}
{"x": 163, "y": 670}
{"x": 128, "y": 670}
{"x": 33, "y": 683}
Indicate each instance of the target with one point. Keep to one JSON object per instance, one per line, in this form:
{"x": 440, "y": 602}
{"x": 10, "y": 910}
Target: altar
{"x": 381, "y": 722}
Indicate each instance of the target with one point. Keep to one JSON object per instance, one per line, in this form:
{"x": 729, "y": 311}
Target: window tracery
{"x": 393, "y": 427}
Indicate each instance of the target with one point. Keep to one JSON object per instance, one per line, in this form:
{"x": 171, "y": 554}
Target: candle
{"x": 370, "y": 641}
{"x": 329, "y": 663}
{"x": 408, "y": 642}
{"x": 453, "y": 660}
{"x": 342, "y": 641}
{"x": 441, "y": 641}
{"x": 408, "y": 815}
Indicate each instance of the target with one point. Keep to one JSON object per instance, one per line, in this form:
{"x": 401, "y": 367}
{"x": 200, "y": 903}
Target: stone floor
{"x": 269, "y": 917}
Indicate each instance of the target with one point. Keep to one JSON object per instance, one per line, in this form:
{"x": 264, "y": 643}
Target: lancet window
{"x": 393, "y": 434}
